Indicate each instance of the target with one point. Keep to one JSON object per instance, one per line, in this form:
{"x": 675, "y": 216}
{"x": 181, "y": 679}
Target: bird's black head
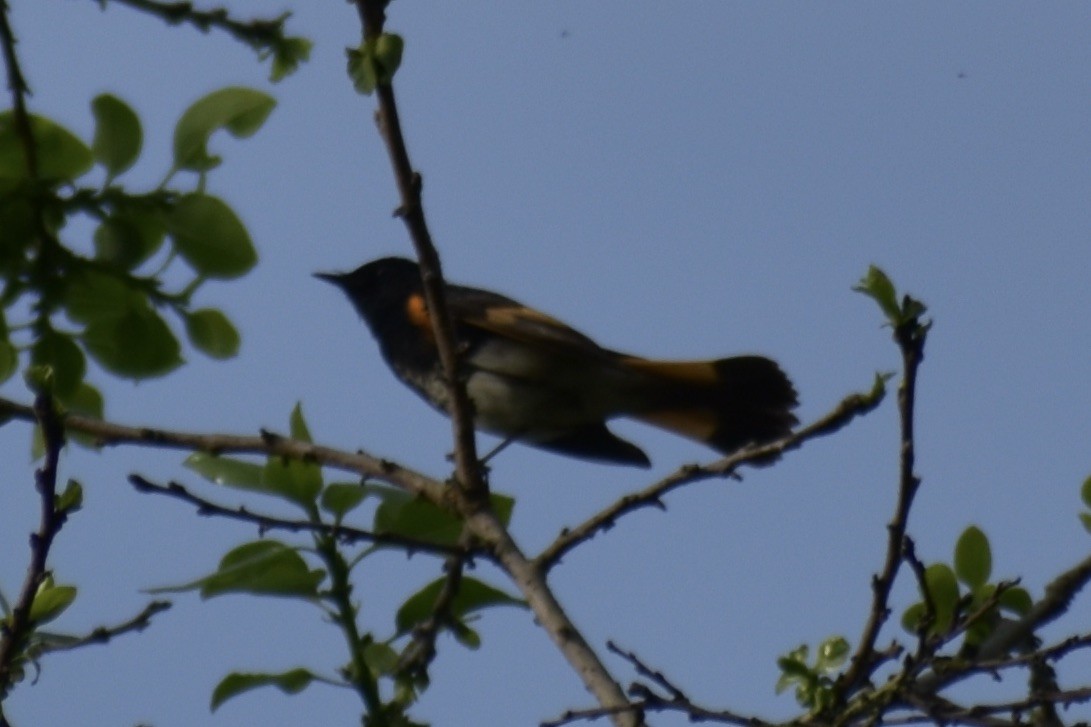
{"x": 379, "y": 285}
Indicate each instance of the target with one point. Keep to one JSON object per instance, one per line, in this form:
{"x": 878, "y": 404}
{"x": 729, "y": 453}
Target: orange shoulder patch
{"x": 417, "y": 312}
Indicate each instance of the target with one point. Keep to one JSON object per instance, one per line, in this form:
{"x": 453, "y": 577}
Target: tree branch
{"x": 910, "y": 337}
{"x": 267, "y": 522}
{"x": 18, "y": 627}
{"x": 652, "y": 496}
{"x": 468, "y": 470}
{"x": 258, "y": 34}
{"x": 17, "y": 84}
{"x": 104, "y": 634}
{"x": 111, "y": 434}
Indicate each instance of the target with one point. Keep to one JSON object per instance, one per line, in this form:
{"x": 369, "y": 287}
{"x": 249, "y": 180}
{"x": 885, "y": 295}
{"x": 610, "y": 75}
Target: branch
{"x": 467, "y": 467}
{"x": 267, "y": 522}
{"x": 910, "y": 336}
{"x": 111, "y": 434}
{"x": 18, "y": 628}
{"x": 104, "y": 634}
{"x": 652, "y": 496}
{"x": 17, "y": 84}
{"x": 421, "y": 651}
{"x": 258, "y": 34}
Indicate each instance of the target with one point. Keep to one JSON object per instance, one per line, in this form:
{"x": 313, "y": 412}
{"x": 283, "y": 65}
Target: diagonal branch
{"x": 258, "y": 34}
{"x": 268, "y": 522}
{"x": 105, "y": 634}
{"x": 467, "y": 467}
{"x": 17, "y": 84}
{"x": 652, "y": 496}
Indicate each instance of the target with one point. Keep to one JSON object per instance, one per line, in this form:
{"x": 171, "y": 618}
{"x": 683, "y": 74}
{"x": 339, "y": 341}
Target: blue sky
{"x": 693, "y": 181}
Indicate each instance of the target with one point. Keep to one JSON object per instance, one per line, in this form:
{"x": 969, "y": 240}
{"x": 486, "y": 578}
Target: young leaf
{"x": 298, "y": 425}
{"x": 210, "y": 237}
{"x": 973, "y": 558}
{"x": 296, "y": 481}
{"x": 877, "y": 286}
{"x": 71, "y": 499}
{"x": 241, "y": 111}
{"x": 1016, "y": 600}
{"x": 943, "y": 590}
{"x": 50, "y": 602}
{"x": 388, "y": 56}
{"x": 118, "y": 136}
{"x": 340, "y": 498}
{"x": 235, "y": 683}
{"x": 212, "y": 333}
{"x": 287, "y": 56}
{"x": 473, "y": 595}
{"x": 226, "y": 471}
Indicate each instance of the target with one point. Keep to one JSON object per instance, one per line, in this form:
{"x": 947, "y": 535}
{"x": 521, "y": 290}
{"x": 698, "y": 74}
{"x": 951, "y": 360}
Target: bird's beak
{"x": 337, "y": 279}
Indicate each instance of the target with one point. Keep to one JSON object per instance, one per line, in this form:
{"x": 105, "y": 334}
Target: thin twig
{"x": 652, "y": 496}
{"x": 910, "y": 337}
{"x": 421, "y": 651}
{"x": 258, "y": 34}
{"x": 17, "y": 84}
{"x": 104, "y": 634}
{"x": 342, "y": 533}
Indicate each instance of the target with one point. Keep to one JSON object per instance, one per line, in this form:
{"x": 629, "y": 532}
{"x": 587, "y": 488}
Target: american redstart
{"x": 533, "y": 379}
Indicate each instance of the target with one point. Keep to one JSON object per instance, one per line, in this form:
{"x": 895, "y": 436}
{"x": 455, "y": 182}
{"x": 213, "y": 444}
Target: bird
{"x": 533, "y": 379}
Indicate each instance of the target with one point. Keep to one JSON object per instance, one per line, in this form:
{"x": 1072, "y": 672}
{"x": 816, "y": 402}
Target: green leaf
{"x": 912, "y": 617}
{"x": 137, "y": 344}
{"x": 340, "y": 498}
{"x": 1085, "y": 492}
{"x": 235, "y": 683}
{"x": 831, "y": 654}
{"x": 226, "y": 471}
{"x": 943, "y": 589}
{"x": 298, "y": 425}
{"x": 241, "y": 111}
{"x": 212, "y": 333}
{"x": 287, "y": 56}
{"x": 296, "y": 481}
{"x": 50, "y": 602}
{"x": 877, "y": 286}
{"x": 1016, "y": 600}
{"x": 421, "y": 520}
{"x": 128, "y": 238}
{"x": 71, "y": 499}
{"x": 380, "y": 658}
{"x": 118, "y": 136}
{"x": 92, "y": 296}
{"x": 362, "y": 70}
{"x": 61, "y": 155}
{"x": 210, "y": 237}
{"x": 64, "y": 357}
{"x": 1085, "y": 518}
{"x": 388, "y": 56}
{"x": 9, "y": 360}
{"x": 473, "y": 595}
{"x": 973, "y": 558}
{"x": 262, "y": 567}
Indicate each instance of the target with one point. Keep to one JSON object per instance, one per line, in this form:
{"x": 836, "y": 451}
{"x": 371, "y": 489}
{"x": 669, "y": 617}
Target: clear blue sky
{"x": 691, "y": 180}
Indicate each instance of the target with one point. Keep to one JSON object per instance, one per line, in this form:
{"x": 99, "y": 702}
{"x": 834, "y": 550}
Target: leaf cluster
{"x": 64, "y": 302}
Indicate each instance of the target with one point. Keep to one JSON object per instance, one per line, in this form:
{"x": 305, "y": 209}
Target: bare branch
{"x": 342, "y": 533}
{"x": 652, "y": 496}
{"x": 111, "y": 434}
{"x": 104, "y": 634}
{"x": 910, "y": 337}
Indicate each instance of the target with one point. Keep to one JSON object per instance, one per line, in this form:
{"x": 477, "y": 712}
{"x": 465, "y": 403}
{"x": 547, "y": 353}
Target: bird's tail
{"x": 725, "y": 403}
